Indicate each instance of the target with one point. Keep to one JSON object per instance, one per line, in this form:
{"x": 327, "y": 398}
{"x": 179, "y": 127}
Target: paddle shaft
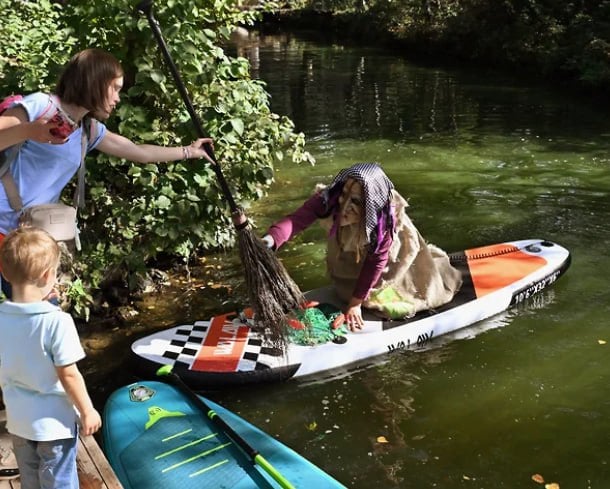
{"x": 146, "y": 8}
{"x": 255, "y": 457}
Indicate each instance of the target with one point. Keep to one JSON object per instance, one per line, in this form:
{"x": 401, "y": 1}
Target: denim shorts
{"x": 46, "y": 464}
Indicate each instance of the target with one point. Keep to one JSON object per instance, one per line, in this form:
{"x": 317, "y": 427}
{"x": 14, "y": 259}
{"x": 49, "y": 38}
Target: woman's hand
{"x": 268, "y": 240}
{"x": 40, "y": 131}
{"x": 352, "y": 316}
{"x": 197, "y": 149}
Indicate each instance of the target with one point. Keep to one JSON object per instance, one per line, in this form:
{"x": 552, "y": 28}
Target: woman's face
{"x": 351, "y": 203}
{"x": 112, "y": 97}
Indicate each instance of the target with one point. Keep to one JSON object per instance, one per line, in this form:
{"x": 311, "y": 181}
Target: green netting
{"x": 313, "y": 326}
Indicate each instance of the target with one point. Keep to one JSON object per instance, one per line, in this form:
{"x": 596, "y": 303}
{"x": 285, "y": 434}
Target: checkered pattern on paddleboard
{"x": 184, "y": 347}
{"x": 186, "y": 343}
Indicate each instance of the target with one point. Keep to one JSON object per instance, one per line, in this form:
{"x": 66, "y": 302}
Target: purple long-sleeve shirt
{"x": 313, "y": 209}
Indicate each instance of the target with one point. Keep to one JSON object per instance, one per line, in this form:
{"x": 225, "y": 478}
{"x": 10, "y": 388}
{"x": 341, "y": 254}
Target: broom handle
{"x": 255, "y": 457}
{"x": 146, "y": 8}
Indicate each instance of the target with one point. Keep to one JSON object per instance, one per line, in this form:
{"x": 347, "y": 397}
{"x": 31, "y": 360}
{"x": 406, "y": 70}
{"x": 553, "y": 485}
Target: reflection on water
{"x": 482, "y": 158}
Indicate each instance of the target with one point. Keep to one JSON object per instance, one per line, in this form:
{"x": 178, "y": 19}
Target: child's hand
{"x": 90, "y": 422}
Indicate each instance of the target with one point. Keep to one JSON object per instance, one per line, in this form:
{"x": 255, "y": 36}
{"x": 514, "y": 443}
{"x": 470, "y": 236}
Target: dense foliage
{"x": 134, "y": 212}
{"x": 570, "y": 39}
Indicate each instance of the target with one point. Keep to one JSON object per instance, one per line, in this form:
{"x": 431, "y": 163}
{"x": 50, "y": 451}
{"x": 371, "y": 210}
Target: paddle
{"x": 167, "y": 373}
{"x": 271, "y": 291}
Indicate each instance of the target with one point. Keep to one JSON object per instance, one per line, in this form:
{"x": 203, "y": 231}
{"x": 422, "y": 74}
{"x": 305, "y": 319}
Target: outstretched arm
{"x": 121, "y": 147}
{"x": 284, "y": 229}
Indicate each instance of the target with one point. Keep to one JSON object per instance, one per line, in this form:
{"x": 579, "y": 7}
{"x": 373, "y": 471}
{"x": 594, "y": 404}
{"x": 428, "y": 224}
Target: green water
{"x": 482, "y": 158}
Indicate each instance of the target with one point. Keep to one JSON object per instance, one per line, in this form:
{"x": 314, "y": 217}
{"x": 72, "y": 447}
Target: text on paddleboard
{"x": 422, "y": 339}
{"x": 226, "y": 340}
{"x": 536, "y": 287}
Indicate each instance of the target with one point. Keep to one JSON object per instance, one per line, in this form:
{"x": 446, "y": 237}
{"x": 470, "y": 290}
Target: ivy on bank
{"x": 135, "y": 212}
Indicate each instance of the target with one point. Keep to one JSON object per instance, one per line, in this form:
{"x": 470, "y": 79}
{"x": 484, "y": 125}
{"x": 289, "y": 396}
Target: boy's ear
{"x": 45, "y": 277}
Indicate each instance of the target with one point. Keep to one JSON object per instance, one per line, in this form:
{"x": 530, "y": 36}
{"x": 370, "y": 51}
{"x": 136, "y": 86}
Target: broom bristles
{"x": 272, "y": 293}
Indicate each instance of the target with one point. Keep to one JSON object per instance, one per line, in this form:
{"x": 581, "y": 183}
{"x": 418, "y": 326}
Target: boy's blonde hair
{"x": 27, "y": 253}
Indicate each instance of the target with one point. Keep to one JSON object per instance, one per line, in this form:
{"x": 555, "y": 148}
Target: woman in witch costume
{"x": 375, "y": 256}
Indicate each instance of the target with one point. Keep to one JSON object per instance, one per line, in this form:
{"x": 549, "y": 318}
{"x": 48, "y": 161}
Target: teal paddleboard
{"x": 154, "y": 436}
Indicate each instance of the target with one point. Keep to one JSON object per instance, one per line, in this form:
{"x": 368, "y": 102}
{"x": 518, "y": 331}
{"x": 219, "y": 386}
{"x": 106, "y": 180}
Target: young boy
{"x": 39, "y": 348}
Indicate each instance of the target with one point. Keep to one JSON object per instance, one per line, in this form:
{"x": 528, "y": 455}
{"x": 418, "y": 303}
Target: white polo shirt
{"x": 35, "y": 338}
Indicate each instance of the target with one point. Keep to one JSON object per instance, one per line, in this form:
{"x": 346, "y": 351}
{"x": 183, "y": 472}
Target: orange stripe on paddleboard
{"x": 499, "y": 268}
{"x": 223, "y": 346}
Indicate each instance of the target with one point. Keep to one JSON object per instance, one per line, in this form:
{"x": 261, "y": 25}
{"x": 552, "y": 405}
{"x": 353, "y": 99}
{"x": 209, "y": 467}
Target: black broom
{"x": 271, "y": 291}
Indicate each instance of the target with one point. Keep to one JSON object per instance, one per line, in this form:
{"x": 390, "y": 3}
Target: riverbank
{"x": 483, "y": 40}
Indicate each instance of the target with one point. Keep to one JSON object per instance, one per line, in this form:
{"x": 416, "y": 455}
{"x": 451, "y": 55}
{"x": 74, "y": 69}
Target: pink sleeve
{"x": 284, "y": 229}
{"x": 374, "y": 263}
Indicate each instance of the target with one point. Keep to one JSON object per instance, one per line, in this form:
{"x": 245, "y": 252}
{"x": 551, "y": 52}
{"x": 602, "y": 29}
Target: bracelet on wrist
{"x": 186, "y": 153}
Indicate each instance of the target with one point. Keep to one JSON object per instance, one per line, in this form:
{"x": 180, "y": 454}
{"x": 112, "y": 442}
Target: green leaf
{"x": 163, "y": 202}
{"x": 238, "y": 126}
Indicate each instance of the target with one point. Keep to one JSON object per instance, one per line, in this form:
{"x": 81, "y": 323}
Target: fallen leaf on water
{"x": 382, "y": 439}
{"x": 538, "y": 478}
{"x": 601, "y": 342}
{"x": 552, "y": 485}
{"x": 311, "y": 426}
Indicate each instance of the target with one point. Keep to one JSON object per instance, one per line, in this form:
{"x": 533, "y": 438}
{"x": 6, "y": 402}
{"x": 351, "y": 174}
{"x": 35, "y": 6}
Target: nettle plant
{"x": 136, "y": 212}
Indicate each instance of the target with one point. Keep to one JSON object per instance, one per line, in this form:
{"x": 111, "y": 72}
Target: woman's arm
{"x": 370, "y": 274}
{"x": 74, "y": 385}
{"x": 284, "y": 229}
{"x": 121, "y": 147}
{"x": 16, "y": 128}
{"x": 373, "y": 266}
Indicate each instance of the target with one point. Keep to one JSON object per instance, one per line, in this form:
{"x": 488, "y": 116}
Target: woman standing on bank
{"x": 49, "y": 151}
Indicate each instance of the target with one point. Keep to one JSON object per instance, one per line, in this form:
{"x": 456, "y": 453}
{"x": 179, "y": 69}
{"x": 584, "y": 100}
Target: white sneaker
{"x": 8, "y": 463}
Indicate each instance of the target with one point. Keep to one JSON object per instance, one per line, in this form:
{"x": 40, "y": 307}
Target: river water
{"x": 483, "y": 158}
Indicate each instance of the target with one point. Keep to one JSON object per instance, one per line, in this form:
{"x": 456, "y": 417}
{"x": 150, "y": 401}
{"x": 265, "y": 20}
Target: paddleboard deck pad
{"x": 155, "y": 437}
{"x": 226, "y": 351}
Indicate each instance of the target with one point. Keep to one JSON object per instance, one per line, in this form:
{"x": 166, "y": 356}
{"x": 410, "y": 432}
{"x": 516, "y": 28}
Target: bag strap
{"x": 12, "y": 193}
{"x": 87, "y": 126}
